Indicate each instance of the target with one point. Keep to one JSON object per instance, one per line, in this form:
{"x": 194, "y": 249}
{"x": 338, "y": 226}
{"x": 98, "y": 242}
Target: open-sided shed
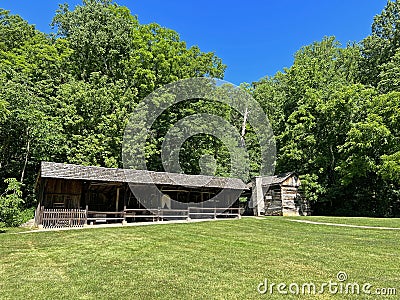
{"x": 104, "y": 194}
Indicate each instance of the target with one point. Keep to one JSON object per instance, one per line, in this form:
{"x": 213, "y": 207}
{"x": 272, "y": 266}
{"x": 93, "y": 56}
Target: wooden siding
{"x": 62, "y": 193}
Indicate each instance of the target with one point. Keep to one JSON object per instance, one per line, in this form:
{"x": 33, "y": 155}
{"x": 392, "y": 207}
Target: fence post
{"x": 37, "y": 215}
{"x": 215, "y": 213}
{"x": 188, "y": 214}
{"x": 41, "y": 211}
{"x": 86, "y": 215}
{"x": 124, "y": 215}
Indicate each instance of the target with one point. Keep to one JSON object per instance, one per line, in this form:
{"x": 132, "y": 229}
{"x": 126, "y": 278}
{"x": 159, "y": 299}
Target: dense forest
{"x": 67, "y": 97}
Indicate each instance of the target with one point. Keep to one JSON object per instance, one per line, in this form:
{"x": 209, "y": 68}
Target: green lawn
{"x": 208, "y": 260}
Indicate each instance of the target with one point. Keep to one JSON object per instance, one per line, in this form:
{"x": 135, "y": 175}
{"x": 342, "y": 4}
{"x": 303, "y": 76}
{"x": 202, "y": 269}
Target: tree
{"x": 67, "y": 98}
{"x": 94, "y": 115}
{"x": 158, "y": 57}
{"x": 389, "y": 76}
{"x": 107, "y": 39}
{"x": 30, "y": 75}
{"x": 390, "y": 167}
{"x": 117, "y": 62}
{"x": 311, "y": 106}
{"x": 14, "y": 31}
{"x": 100, "y": 34}
{"x": 342, "y": 137}
{"x": 381, "y": 46}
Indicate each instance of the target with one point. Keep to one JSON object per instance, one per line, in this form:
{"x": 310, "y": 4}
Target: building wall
{"x": 289, "y": 197}
{"x": 59, "y": 193}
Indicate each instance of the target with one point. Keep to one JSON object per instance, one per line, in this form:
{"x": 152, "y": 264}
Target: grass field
{"x": 208, "y": 260}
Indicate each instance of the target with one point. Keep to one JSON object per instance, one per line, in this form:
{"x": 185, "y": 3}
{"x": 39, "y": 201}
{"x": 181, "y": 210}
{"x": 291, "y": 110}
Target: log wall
{"x": 289, "y": 203}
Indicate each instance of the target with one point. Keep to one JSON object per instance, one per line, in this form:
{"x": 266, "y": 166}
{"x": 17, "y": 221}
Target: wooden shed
{"x": 277, "y": 195}
{"x": 73, "y": 195}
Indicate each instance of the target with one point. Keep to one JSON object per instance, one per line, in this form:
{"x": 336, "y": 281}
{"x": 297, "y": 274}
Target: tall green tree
{"x": 100, "y": 34}
{"x": 30, "y": 74}
{"x": 380, "y": 48}
{"x": 94, "y": 115}
{"x": 339, "y": 135}
{"x": 14, "y": 31}
{"x": 106, "y": 38}
{"x": 116, "y": 62}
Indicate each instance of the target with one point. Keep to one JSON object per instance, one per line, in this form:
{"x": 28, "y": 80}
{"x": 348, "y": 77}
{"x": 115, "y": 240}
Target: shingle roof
{"x": 277, "y": 179}
{"x": 272, "y": 180}
{"x": 79, "y": 172}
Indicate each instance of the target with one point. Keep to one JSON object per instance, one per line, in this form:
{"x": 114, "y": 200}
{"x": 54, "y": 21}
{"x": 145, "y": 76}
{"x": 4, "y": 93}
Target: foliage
{"x": 10, "y": 204}
{"x": 67, "y": 98}
{"x": 100, "y": 34}
{"x": 390, "y": 167}
{"x": 14, "y": 30}
{"x": 382, "y": 45}
{"x": 338, "y": 134}
{"x": 27, "y": 214}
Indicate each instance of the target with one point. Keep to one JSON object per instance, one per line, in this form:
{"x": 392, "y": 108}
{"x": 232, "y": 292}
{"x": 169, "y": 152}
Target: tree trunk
{"x": 26, "y": 160}
{"x": 245, "y": 115}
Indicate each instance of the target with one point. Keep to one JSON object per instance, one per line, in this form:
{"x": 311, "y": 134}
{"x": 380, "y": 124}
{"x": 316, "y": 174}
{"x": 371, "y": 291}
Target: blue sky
{"x": 253, "y": 38}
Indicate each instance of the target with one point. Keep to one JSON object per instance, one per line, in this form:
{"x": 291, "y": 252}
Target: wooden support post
{"x": 125, "y": 194}
{"x": 40, "y": 215}
{"x": 117, "y": 200}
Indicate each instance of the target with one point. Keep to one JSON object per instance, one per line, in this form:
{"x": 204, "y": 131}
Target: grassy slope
{"x": 220, "y": 260}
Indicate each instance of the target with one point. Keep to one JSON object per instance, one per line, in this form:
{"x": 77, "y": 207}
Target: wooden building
{"x": 277, "y": 195}
{"x": 68, "y": 192}
{"x": 75, "y": 195}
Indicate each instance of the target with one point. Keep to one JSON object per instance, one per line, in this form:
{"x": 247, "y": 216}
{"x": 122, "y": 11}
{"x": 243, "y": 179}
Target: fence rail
{"x": 59, "y": 218}
{"x": 214, "y": 212}
{"x": 189, "y": 213}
